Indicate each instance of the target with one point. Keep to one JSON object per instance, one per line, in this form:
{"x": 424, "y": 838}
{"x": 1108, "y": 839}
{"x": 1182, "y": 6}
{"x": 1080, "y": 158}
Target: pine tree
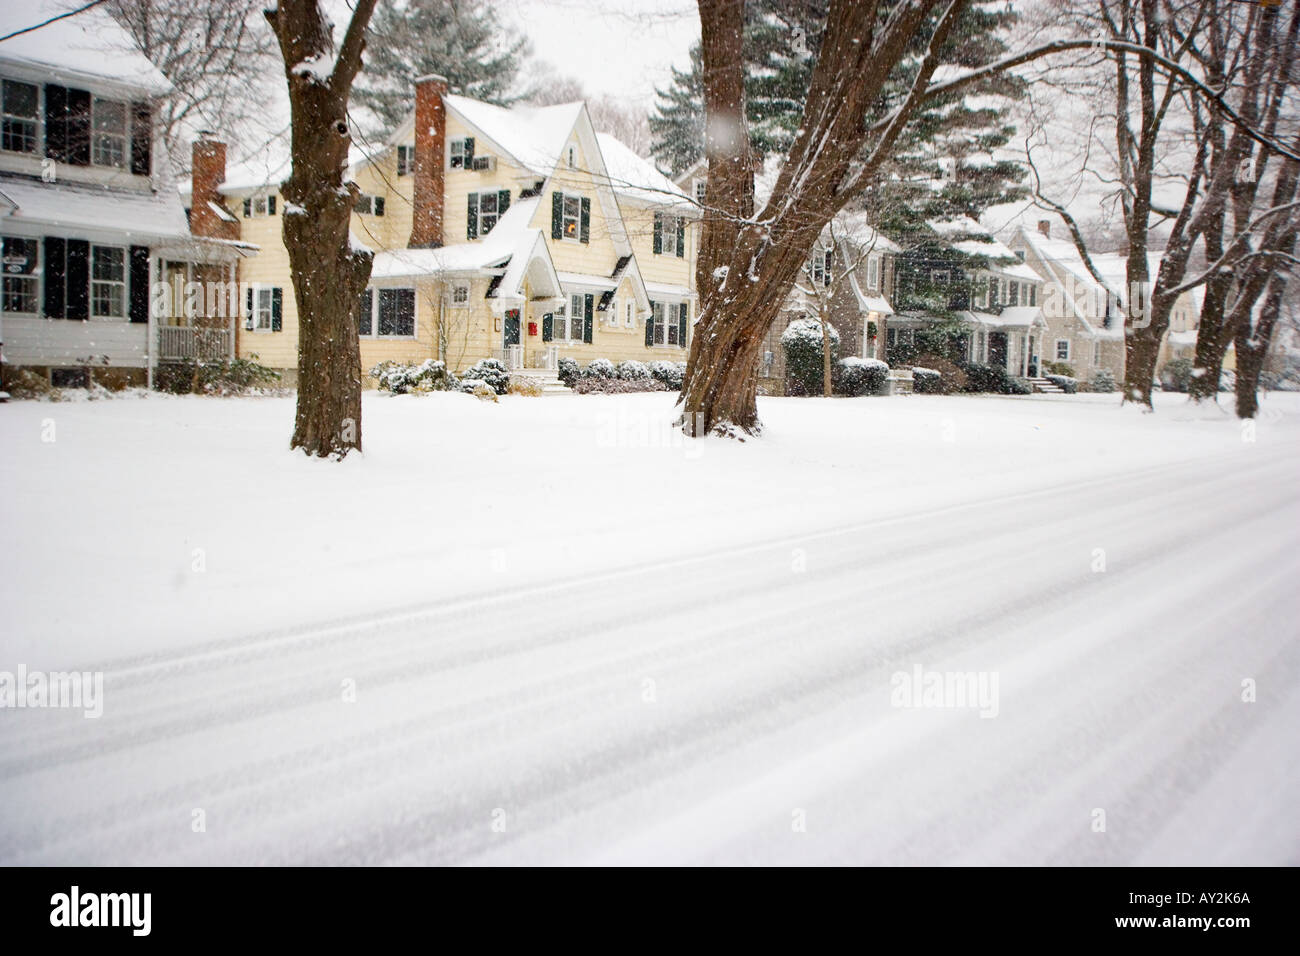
{"x": 458, "y": 39}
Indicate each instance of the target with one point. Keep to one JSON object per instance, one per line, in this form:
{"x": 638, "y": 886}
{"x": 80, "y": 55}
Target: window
{"x": 460, "y": 294}
{"x": 397, "y": 313}
{"x": 370, "y": 205}
{"x": 700, "y": 187}
{"x": 666, "y": 320}
{"x": 1063, "y": 350}
{"x": 873, "y": 272}
{"x": 108, "y": 144}
{"x": 818, "y": 267}
{"x": 20, "y": 106}
{"x": 107, "y": 282}
{"x": 668, "y": 234}
{"x": 19, "y": 294}
{"x": 259, "y": 206}
{"x": 1015, "y": 294}
{"x": 488, "y": 212}
{"x": 1033, "y": 294}
{"x": 263, "y": 310}
{"x": 405, "y": 160}
{"x": 657, "y": 316}
{"x": 462, "y": 153}
{"x": 573, "y": 157}
{"x": 568, "y": 319}
{"x": 572, "y": 216}
{"x": 631, "y": 320}
{"x": 612, "y": 316}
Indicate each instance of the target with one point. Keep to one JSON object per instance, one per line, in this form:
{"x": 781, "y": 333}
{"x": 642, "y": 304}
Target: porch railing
{"x": 178, "y": 343}
{"x": 547, "y": 358}
{"x": 512, "y": 357}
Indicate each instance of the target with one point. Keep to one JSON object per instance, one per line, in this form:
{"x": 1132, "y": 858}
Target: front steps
{"x": 551, "y": 384}
{"x": 1046, "y": 386}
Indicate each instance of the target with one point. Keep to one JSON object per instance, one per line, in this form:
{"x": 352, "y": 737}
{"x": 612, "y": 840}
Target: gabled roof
{"x": 635, "y": 178}
{"x": 89, "y": 46}
{"x": 493, "y": 251}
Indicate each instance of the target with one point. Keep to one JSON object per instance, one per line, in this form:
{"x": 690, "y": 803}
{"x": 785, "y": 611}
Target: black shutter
{"x": 650, "y": 326}
{"x": 248, "y": 313}
{"x": 55, "y": 277}
{"x": 270, "y": 205}
{"x": 659, "y": 233}
{"x": 139, "y": 309}
{"x": 471, "y": 217}
{"x": 277, "y": 304}
{"x": 826, "y": 268}
{"x": 681, "y": 237}
{"x": 78, "y": 128}
{"x": 78, "y": 279}
{"x": 379, "y": 206}
{"x": 248, "y": 209}
{"x": 547, "y": 327}
{"x": 503, "y": 203}
{"x": 141, "y": 138}
{"x": 56, "y": 131}
{"x": 681, "y": 324}
{"x": 557, "y": 215}
{"x": 587, "y": 316}
{"x": 365, "y": 313}
{"x": 585, "y": 226}
{"x": 469, "y": 152}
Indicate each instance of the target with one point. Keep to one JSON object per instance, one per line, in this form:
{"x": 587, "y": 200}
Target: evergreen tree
{"x": 459, "y": 39}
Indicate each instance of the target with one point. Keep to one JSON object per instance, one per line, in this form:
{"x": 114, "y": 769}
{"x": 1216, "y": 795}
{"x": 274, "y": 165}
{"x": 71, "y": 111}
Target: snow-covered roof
{"x": 868, "y": 302}
{"x": 1016, "y": 317}
{"x": 535, "y": 136}
{"x": 90, "y": 45}
{"x": 664, "y": 290}
{"x": 493, "y": 251}
{"x": 589, "y": 280}
{"x": 635, "y": 178}
{"x": 148, "y": 216}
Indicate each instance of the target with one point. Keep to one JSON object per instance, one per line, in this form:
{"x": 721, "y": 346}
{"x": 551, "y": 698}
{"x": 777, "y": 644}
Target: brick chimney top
{"x": 430, "y": 164}
{"x": 1045, "y": 227}
{"x": 207, "y": 173}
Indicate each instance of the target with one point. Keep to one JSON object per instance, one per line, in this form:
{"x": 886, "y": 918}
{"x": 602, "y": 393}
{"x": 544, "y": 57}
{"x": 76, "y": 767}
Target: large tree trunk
{"x": 328, "y": 274}
{"x": 1213, "y": 335}
{"x": 748, "y": 262}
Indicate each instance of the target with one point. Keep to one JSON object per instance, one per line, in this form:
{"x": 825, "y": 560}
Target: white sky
{"x": 619, "y": 48}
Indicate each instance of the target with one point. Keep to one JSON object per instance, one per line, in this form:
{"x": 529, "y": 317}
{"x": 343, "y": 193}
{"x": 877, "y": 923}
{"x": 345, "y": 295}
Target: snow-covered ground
{"x": 552, "y": 630}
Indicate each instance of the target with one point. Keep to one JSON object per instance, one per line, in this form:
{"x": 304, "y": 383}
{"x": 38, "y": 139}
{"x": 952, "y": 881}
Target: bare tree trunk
{"x": 328, "y": 275}
{"x": 1212, "y": 337}
{"x": 826, "y": 357}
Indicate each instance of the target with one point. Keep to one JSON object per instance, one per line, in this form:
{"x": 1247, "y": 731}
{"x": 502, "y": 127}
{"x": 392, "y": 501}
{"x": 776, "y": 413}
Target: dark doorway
{"x": 512, "y": 327}
{"x": 998, "y": 349}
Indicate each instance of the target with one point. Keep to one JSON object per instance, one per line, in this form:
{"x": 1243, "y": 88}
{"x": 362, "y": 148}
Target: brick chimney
{"x": 207, "y": 173}
{"x": 430, "y": 149}
{"x": 1045, "y": 227}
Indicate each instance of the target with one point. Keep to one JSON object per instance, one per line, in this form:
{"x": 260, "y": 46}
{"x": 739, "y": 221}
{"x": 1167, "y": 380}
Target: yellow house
{"x": 518, "y": 234}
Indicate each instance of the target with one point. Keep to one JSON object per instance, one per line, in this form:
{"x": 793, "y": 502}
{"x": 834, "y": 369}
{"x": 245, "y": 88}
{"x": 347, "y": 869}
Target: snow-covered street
{"x": 553, "y": 631}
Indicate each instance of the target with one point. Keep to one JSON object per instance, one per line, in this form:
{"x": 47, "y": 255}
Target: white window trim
{"x": 409, "y": 153}
{"x": 478, "y": 211}
{"x": 374, "y": 315}
{"x": 34, "y": 277}
{"x": 124, "y": 136}
{"x": 451, "y": 154}
{"x": 263, "y": 299}
{"x": 124, "y": 283}
{"x": 577, "y": 218}
{"x": 667, "y": 248}
{"x": 38, "y": 122}
{"x": 1056, "y": 350}
{"x": 873, "y": 273}
{"x": 455, "y": 288}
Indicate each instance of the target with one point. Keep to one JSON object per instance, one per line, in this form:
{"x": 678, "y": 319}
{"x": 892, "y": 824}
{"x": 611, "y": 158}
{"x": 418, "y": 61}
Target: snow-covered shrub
{"x": 1020, "y": 386}
{"x": 489, "y": 370}
{"x": 1058, "y": 368}
{"x": 524, "y": 385}
{"x": 858, "y": 376}
{"x": 401, "y": 378}
{"x": 568, "y": 371}
{"x": 216, "y": 377}
{"x": 670, "y": 373}
{"x": 802, "y": 343}
{"x": 632, "y": 371}
{"x": 479, "y": 388}
{"x": 990, "y": 378}
{"x": 600, "y": 368}
{"x": 926, "y": 381}
{"x": 594, "y": 384}
{"x": 1103, "y": 380}
{"x": 1068, "y": 385}
{"x": 1176, "y": 376}
{"x": 24, "y": 383}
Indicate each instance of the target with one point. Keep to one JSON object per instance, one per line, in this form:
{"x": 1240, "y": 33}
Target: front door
{"x": 512, "y": 327}
{"x": 998, "y": 349}
{"x": 1033, "y": 356}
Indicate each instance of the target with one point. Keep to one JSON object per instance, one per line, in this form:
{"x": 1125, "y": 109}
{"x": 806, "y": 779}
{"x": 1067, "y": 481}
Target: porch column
{"x": 151, "y": 326}
{"x": 233, "y": 309}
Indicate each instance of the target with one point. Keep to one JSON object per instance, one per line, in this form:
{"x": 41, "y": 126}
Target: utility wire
{"x": 46, "y": 23}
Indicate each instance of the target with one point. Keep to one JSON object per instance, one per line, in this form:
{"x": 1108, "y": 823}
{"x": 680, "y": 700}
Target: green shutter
{"x": 503, "y": 203}
{"x": 587, "y": 316}
{"x": 681, "y": 237}
{"x": 650, "y": 326}
{"x": 270, "y": 205}
{"x": 659, "y": 233}
{"x": 365, "y": 311}
{"x": 469, "y": 152}
{"x": 277, "y": 302}
{"x": 471, "y": 217}
{"x": 547, "y": 325}
{"x": 681, "y": 324}
{"x": 557, "y": 215}
{"x": 248, "y": 314}
{"x": 248, "y": 209}
{"x": 584, "y": 225}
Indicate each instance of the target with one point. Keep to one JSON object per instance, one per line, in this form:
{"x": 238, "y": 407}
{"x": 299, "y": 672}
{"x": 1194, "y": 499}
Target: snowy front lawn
{"x": 153, "y": 524}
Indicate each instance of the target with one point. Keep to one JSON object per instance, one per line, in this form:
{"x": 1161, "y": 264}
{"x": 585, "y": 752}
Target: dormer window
{"x": 700, "y": 187}
{"x": 873, "y": 273}
{"x": 20, "y": 106}
{"x": 405, "y": 160}
{"x": 109, "y": 143}
{"x": 259, "y": 206}
{"x": 573, "y": 157}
